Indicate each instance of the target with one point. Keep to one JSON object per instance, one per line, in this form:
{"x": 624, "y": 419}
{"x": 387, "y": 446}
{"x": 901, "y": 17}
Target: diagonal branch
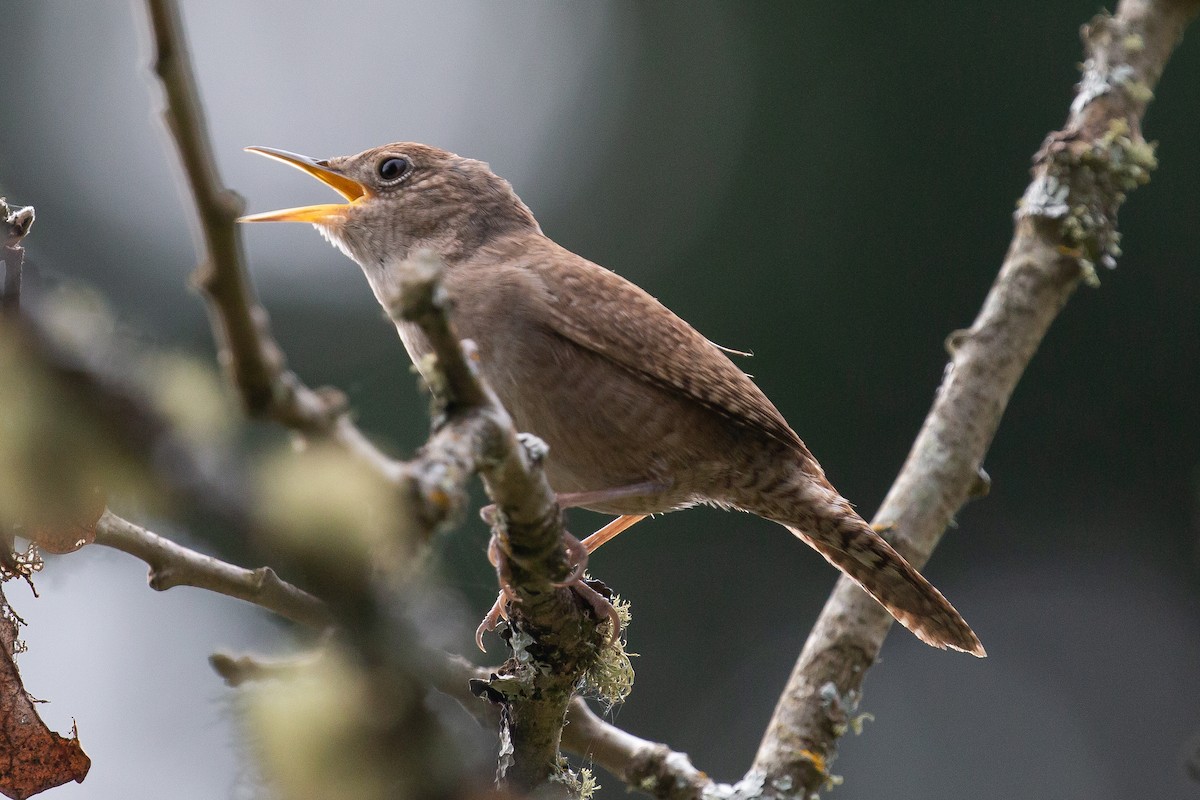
{"x": 1065, "y": 226}
{"x": 173, "y": 565}
{"x": 240, "y": 323}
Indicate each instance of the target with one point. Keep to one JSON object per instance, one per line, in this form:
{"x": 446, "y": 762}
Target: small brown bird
{"x": 642, "y": 413}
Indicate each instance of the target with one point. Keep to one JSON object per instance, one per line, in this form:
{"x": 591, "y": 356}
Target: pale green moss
{"x": 610, "y": 677}
{"x": 582, "y": 784}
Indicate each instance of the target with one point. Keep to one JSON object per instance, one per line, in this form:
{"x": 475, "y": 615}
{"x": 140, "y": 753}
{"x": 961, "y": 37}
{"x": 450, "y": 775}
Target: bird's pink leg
{"x": 610, "y": 531}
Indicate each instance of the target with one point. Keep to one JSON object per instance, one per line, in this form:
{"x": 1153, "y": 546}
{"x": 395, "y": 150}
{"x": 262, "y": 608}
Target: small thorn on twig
{"x": 957, "y": 339}
{"x": 981, "y": 486}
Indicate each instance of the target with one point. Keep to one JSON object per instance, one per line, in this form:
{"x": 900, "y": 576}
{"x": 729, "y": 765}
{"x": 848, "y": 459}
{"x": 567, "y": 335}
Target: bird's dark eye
{"x": 393, "y": 168}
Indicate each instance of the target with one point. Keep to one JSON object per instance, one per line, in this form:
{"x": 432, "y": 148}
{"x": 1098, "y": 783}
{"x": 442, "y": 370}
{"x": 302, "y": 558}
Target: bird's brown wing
{"x": 598, "y": 309}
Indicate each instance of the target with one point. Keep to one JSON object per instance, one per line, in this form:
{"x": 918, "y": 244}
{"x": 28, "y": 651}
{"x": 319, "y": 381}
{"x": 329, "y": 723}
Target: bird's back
{"x": 623, "y": 390}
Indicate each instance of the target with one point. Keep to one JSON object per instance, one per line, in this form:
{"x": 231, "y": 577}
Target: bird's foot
{"x": 577, "y": 555}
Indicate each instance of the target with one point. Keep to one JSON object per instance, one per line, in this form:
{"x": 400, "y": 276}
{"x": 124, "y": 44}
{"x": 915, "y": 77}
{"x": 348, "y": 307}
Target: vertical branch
{"x": 240, "y": 323}
{"x": 222, "y": 274}
{"x": 559, "y": 637}
{"x": 1066, "y": 225}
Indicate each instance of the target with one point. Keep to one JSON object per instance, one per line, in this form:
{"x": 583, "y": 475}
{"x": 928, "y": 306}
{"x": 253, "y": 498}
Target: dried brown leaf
{"x": 68, "y": 535}
{"x": 33, "y": 758}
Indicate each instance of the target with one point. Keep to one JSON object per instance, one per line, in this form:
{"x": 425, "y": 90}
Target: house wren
{"x": 642, "y": 413}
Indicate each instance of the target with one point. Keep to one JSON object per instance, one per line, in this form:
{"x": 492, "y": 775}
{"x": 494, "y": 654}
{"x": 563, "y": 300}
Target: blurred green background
{"x": 827, "y": 185}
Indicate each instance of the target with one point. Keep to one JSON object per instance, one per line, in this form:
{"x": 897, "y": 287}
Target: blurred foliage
{"x": 56, "y": 451}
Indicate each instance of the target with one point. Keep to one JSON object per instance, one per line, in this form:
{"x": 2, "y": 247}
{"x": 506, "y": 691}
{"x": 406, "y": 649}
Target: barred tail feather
{"x": 847, "y": 542}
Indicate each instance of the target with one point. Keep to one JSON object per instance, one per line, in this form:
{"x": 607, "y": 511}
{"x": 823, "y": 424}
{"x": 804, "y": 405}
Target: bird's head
{"x": 404, "y": 196}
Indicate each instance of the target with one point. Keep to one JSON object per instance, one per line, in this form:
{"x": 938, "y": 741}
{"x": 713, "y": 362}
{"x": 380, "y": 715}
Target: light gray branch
{"x": 1066, "y": 227}
{"x": 173, "y": 565}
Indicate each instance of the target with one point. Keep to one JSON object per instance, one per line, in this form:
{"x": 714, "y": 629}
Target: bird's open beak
{"x": 352, "y": 190}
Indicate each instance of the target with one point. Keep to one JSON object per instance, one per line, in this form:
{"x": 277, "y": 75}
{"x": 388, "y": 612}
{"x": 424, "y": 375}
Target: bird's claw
{"x": 577, "y": 557}
{"x": 602, "y": 607}
{"x": 577, "y": 553}
{"x": 498, "y": 611}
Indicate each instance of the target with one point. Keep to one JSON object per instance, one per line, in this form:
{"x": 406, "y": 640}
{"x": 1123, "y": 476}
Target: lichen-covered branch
{"x": 648, "y": 767}
{"x": 240, "y": 323}
{"x": 1064, "y": 228}
{"x": 173, "y": 565}
{"x": 534, "y": 691}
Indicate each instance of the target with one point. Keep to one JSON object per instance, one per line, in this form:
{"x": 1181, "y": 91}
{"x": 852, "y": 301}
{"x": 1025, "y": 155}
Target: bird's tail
{"x": 849, "y": 543}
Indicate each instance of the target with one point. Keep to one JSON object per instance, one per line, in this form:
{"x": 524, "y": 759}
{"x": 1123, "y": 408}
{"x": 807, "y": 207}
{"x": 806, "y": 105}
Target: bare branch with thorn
{"x": 174, "y": 565}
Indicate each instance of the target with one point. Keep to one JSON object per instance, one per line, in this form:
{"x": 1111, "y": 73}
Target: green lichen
{"x": 581, "y": 784}
{"x": 610, "y": 677}
{"x": 1139, "y": 91}
{"x": 1084, "y": 186}
{"x": 856, "y": 722}
{"x": 1133, "y": 43}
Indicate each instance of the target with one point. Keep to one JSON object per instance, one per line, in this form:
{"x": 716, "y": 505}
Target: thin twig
{"x": 173, "y": 564}
{"x": 240, "y": 323}
{"x": 15, "y": 224}
{"x": 240, "y": 670}
{"x": 1066, "y": 226}
{"x": 454, "y": 676}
